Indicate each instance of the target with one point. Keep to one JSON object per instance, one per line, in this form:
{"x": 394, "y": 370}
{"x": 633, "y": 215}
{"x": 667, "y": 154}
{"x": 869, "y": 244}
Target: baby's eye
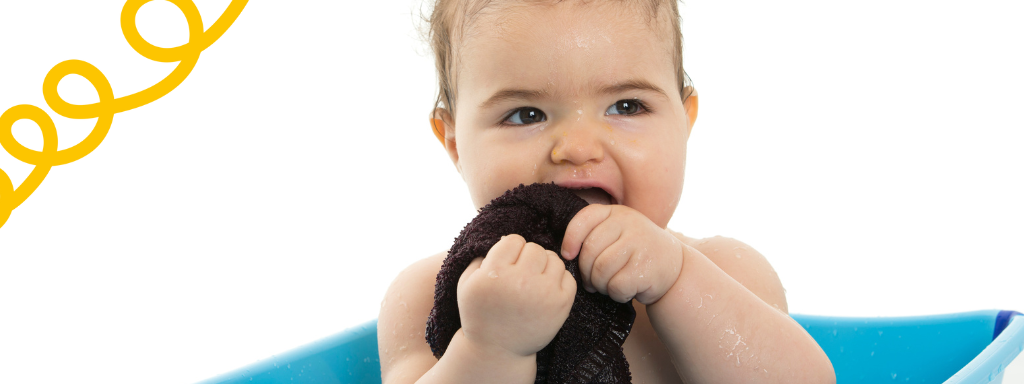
{"x": 525, "y": 116}
{"x": 626, "y": 107}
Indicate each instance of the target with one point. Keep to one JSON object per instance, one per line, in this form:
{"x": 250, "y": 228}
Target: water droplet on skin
{"x": 738, "y": 256}
{"x": 579, "y": 111}
{"x": 713, "y": 319}
{"x": 492, "y": 274}
{"x": 402, "y": 348}
{"x": 613, "y": 142}
{"x": 404, "y": 305}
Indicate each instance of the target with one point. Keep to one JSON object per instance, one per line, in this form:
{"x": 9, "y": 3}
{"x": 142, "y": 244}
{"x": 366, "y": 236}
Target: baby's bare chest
{"x": 649, "y": 360}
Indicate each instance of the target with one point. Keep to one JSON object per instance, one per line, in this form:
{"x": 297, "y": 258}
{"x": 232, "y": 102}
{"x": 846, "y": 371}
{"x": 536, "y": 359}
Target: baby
{"x": 590, "y": 95}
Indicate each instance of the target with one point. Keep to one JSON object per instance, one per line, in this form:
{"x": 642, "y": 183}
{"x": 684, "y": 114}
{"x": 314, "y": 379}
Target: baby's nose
{"x": 579, "y": 143}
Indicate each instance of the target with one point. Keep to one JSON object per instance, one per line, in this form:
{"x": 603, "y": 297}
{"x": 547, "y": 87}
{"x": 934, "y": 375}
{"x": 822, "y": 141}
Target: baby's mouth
{"x": 595, "y": 196}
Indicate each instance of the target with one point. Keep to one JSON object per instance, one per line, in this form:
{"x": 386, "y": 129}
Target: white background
{"x": 871, "y": 150}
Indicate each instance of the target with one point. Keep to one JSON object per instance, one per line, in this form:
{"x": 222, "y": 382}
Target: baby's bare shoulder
{"x": 404, "y": 352}
{"x": 744, "y": 264}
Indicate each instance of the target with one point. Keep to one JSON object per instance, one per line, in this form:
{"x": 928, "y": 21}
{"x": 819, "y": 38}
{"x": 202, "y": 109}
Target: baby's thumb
{"x": 473, "y": 266}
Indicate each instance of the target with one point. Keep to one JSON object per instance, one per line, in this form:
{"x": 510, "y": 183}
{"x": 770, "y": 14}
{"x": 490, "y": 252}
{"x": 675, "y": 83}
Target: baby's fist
{"x": 622, "y": 253}
{"x": 517, "y": 298}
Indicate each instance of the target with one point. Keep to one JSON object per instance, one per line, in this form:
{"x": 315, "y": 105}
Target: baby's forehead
{"x": 502, "y": 16}
{"x": 587, "y": 59}
{"x": 523, "y": 26}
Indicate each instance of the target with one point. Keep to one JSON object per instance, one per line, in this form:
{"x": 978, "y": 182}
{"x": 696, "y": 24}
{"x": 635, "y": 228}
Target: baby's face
{"x": 581, "y": 95}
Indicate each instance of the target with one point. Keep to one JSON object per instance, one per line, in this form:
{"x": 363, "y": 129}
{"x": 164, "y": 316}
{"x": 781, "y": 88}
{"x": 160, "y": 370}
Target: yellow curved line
{"x": 187, "y": 55}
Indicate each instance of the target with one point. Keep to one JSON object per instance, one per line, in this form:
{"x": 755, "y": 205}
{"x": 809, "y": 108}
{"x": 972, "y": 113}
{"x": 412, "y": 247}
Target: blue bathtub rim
{"x": 1002, "y": 321}
{"x": 977, "y": 368}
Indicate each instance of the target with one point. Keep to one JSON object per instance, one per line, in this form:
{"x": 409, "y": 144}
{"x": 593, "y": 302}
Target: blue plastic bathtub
{"x": 961, "y": 348}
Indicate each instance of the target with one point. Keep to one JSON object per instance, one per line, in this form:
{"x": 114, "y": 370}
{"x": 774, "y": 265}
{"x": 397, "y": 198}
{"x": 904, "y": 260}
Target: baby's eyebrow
{"x": 633, "y": 85}
{"x": 528, "y": 94}
{"x": 513, "y": 94}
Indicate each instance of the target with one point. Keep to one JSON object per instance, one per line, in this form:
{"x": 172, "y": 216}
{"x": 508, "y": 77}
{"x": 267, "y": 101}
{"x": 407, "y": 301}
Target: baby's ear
{"x": 442, "y": 123}
{"x": 690, "y": 104}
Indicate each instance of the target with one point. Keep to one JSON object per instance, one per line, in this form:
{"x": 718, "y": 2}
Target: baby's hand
{"x": 516, "y": 298}
{"x": 624, "y": 254}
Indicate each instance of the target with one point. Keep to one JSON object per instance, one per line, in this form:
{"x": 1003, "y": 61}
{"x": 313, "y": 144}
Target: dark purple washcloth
{"x": 588, "y": 347}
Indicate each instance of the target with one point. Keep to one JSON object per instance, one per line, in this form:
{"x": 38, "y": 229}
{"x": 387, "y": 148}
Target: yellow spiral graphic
{"x": 187, "y": 55}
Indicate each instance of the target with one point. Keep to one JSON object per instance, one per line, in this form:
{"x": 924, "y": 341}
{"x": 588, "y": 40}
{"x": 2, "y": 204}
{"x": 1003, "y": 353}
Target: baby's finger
{"x": 473, "y": 267}
{"x": 622, "y": 287}
{"x": 555, "y": 264}
{"x": 607, "y": 265}
{"x": 533, "y": 257}
{"x": 505, "y": 251}
{"x": 604, "y": 236}
{"x": 569, "y": 283}
{"x": 580, "y": 226}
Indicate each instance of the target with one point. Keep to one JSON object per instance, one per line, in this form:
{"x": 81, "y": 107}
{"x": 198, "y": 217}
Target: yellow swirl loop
{"x": 187, "y": 55}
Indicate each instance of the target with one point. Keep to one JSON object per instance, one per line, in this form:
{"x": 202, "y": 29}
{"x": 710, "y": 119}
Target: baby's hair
{"x": 448, "y": 19}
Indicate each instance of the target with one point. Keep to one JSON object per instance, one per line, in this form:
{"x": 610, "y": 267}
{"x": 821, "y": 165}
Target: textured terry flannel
{"x": 588, "y": 347}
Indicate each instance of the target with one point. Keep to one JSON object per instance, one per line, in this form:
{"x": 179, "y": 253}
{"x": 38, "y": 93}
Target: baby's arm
{"x": 722, "y": 317}
{"x": 741, "y": 331}
{"x": 511, "y": 303}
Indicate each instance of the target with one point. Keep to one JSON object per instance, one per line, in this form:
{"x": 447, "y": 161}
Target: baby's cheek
{"x": 495, "y": 178}
{"x": 654, "y": 186}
